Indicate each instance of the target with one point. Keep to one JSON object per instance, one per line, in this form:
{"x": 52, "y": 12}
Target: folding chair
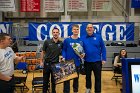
{"x": 21, "y": 76}
{"x": 37, "y": 82}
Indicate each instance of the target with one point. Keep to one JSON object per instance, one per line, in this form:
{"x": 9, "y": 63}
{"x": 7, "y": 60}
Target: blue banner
{"x": 110, "y": 31}
{"x": 5, "y": 27}
{"x": 135, "y": 3}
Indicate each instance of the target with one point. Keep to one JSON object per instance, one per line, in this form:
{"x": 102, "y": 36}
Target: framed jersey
{"x": 64, "y": 71}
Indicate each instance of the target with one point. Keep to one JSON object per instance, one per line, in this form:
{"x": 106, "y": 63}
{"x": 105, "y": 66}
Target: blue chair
{"x": 20, "y": 81}
{"x": 37, "y": 82}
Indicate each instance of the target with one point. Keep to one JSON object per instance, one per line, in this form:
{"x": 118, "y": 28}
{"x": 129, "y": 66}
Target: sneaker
{"x": 87, "y": 91}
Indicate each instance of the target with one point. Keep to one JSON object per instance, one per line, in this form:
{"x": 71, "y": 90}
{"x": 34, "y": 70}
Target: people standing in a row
{"x": 95, "y": 57}
{"x": 7, "y": 58}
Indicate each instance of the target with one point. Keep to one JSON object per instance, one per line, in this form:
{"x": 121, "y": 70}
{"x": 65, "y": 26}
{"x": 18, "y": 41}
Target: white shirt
{"x": 7, "y": 57}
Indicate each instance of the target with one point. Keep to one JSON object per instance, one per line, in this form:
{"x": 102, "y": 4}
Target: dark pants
{"x": 7, "y": 86}
{"x": 75, "y": 83}
{"x": 96, "y": 67}
{"x": 47, "y": 71}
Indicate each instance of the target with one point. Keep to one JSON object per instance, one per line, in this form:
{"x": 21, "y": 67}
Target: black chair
{"x": 117, "y": 73}
{"x": 21, "y": 77}
{"x": 37, "y": 82}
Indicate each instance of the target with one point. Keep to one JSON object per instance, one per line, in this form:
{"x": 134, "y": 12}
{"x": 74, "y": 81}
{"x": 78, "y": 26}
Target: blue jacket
{"x": 94, "y": 48}
{"x": 68, "y": 53}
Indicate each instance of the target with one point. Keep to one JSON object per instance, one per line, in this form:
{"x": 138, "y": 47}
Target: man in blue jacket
{"x": 68, "y": 54}
{"x": 95, "y": 56}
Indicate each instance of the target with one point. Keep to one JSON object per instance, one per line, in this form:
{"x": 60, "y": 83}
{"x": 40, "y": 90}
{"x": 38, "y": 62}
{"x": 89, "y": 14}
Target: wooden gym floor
{"x": 108, "y": 85}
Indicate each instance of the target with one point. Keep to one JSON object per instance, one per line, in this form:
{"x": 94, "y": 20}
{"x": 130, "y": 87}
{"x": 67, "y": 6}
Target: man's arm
{"x": 18, "y": 59}
{"x": 103, "y": 51}
{"x": 42, "y": 58}
{"x": 45, "y": 45}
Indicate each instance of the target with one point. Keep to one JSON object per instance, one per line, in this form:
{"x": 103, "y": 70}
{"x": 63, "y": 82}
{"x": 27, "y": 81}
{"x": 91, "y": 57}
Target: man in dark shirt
{"x": 50, "y": 55}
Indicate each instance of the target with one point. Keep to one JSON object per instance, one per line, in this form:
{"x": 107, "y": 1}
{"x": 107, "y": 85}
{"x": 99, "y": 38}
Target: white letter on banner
{"x": 52, "y": 27}
{"x": 96, "y": 28}
{"x": 65, "y": 30}
{"x": 104, "y": 32}
{"x": 3, "y": 28}
{"x": 120, "y": 32}
{"x": 110, "y": 36}
{"x": 39, "y": 32}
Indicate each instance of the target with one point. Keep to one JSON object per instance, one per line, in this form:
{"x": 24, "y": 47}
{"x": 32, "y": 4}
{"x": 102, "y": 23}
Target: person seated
{"x": 117, "y": 60}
